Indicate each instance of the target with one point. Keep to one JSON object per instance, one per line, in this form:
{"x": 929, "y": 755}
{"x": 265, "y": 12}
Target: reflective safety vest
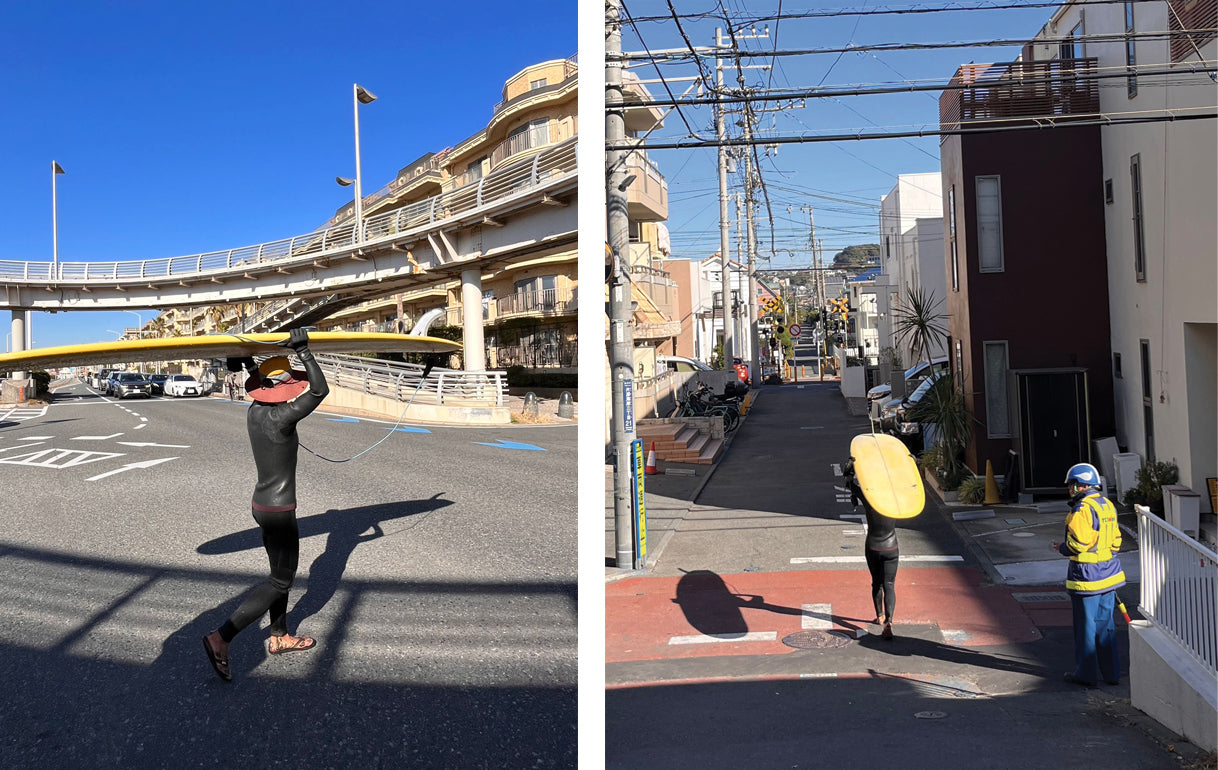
{"x": 1093, "y": 540}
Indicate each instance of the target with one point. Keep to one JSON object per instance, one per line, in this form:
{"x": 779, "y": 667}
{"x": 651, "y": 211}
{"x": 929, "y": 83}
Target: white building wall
{"x": 911, "y": 246}
{"x": 1175, "y": 308}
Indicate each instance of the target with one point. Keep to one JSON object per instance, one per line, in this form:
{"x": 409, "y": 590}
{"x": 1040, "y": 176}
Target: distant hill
{"x": 857, "y": 256}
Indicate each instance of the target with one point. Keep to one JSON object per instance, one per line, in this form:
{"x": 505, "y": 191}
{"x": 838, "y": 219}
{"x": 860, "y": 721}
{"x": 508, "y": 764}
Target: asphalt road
{"x": 437, "y": 572}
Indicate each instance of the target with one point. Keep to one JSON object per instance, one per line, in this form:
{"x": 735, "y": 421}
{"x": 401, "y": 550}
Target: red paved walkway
{"x": 652, "y": 618}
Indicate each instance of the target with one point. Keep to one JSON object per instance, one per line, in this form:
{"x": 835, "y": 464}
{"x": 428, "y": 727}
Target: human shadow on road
{"x": 345, "y": 529}
{"x": 909, "y": 646}
{"x": 712, "y": 608}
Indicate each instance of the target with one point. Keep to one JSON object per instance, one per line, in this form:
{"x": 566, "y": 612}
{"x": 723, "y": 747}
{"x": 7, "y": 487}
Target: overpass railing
{"x": 550, "y": 163}
{"x": 1179, "y": 586}
{"x": 401, "y": 382}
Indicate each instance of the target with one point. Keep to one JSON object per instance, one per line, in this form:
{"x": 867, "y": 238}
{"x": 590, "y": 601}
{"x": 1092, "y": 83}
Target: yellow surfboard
{"x": 888, "y": 475}
{"x": 217, "y": 346}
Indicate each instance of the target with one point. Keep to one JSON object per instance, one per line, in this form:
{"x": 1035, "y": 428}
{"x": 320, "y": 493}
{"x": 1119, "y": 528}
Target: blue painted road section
{"x": 409, "y": 430}
{"x": 342, "y": 419}
{"x": 501, "y": 444}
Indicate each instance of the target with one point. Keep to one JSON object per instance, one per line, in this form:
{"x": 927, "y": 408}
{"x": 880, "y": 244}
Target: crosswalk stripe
{"x": 751, "y": 636}
{"x": 861, "y": 559}
{"x": 818, "y": 617}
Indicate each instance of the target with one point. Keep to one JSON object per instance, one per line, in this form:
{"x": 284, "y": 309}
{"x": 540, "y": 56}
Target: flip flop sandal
{"x": 300, "y": 644}
{"x": 218, "y": 663}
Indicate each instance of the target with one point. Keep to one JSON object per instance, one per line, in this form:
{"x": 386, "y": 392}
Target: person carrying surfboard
{"x": 1092, "y": 542}
{"x": 282, "y": 397}
{"x": 882, "y": 553}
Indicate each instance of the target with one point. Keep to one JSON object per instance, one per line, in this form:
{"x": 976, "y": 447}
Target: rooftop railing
{"x": 1179, "y": 587}
{"x": 1022, "y": 90}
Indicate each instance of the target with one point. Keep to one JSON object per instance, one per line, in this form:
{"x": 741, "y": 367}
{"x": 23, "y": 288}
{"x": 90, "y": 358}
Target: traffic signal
{"x": 779, "y": 329}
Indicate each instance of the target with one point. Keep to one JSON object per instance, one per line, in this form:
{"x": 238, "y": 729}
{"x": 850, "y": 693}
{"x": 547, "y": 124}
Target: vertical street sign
{"x": 640, "y": 512}
{"x": 628, "y": 404}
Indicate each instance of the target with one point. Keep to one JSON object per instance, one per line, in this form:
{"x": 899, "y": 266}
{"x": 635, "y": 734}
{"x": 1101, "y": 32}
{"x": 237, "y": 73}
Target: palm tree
{"x": 919, "y": 323}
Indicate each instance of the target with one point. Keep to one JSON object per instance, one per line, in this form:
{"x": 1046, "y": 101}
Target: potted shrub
{"x": 1152, "y": 477}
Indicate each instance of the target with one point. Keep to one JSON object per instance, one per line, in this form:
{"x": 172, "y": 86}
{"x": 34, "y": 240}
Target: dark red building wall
{"x": 1050, "y": 303}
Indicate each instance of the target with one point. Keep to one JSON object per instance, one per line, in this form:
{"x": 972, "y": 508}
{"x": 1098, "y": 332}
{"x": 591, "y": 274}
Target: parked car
{"x": 158, "y": 383}
{"x": 914, "y": 376}
{"x": 108, "y": 385}
{"x": 892, "y": 415}
{"x": 130, "y": 384}
{"x": 681, "y": 364}
{"x": 182, "y": 385}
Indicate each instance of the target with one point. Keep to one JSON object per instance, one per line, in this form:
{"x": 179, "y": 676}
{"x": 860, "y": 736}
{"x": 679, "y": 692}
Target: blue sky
{"x": 842, "y": 181}
{"x": 186, "y": 127}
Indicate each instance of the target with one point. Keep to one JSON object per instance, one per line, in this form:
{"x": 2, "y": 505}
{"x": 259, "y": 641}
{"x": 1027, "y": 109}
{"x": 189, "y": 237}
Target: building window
{"x": 536, "y": 84}
{"x": 951, "y": 236}
{"x": 959, "y": 365}
{"x": 473, "y": 172}
{"x": 1139, "y": 225}
{"x": 1108, "y": 192}
{"x": 1131, "y": 60}
{"x": 998, "y": 418}
{"x": 1072, "y": 46}
{"x": 1148, "y": 413}
{"x": 538, "y": 293}
{"x": 989, "y": 224}
{"x": 1116, "y": 366}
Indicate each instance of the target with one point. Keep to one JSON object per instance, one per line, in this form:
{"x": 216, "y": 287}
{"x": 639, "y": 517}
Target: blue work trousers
{"x": 1095, "y": 640}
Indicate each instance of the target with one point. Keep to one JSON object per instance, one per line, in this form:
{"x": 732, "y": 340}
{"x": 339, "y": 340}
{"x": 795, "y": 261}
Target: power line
{"x": 664, "y": 82}
{"x": 1025, "y": 124}
{"x": 954, "y": 8}
{"x": 1103, "y": 37}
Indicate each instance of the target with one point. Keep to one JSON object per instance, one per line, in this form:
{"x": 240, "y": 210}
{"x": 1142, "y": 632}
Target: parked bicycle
{"x": 699, "y": 403}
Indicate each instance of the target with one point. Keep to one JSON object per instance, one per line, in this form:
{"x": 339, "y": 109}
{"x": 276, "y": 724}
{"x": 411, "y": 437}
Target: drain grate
{"x": 1048, "y": 596}
{"x": 817, "y": 640}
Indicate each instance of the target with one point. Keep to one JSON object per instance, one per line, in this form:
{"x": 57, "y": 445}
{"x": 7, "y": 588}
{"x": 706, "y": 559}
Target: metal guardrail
{"x": 402, "y": 382}
{"x": 1179, "y": 587}
{"x": 551, "y": 163}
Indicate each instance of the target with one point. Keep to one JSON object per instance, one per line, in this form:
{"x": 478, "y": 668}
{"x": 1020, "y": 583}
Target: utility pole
{"x": 725, "y": 235}
{"x": 621, "y": 337}
{"x": 755, "y": 366}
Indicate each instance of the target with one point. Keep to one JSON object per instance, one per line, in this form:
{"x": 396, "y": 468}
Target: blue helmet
{"x": 1083, "y": 474}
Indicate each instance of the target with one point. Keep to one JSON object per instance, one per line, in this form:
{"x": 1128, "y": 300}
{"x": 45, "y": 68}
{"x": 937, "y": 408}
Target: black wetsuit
{"x": 880, "y": 549}
{"x": 273, "y": 438}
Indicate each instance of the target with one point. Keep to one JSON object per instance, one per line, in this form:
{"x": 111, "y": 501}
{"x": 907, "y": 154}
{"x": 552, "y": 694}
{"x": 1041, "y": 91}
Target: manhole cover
{"x": 817, "y": 640}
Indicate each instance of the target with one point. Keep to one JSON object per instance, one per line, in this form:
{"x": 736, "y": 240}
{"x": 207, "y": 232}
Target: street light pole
{"x": 56, "y": 170}
{"x": 359, "y": 95}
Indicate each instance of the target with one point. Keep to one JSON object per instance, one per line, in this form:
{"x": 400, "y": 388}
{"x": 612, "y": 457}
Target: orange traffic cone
{"x": 991, "y": 486}
{"x": 651, "y": 469}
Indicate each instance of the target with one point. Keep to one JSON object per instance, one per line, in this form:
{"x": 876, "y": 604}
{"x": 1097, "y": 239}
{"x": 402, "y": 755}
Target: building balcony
{"x": 547, "y": 303}
{"x": 647, "y": 195}
{"x": 1022, "y": 91}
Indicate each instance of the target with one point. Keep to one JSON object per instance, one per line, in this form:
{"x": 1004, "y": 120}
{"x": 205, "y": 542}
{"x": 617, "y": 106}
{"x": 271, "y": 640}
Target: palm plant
{"x": 919, "y": 323}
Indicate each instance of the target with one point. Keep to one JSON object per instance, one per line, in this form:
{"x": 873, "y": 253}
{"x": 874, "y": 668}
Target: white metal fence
{"x": 1179, "y": 587}
{"x": 402, "y": 382}
{"x": 551, "y": 163}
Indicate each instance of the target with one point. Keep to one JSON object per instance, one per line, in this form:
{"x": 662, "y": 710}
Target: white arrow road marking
{"x": 149, "y": 443}
{"x": 97, "y": 438}
{"x": 58, "y": 458}
{"x": 129, "y": 466}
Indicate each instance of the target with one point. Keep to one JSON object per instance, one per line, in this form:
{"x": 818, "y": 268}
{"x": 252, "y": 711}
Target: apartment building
{"x": 911, "y": 254}
{"x": 528, "y": 297}
{"x": 1026, "y": 264}
{"x": 1159, "y": 187}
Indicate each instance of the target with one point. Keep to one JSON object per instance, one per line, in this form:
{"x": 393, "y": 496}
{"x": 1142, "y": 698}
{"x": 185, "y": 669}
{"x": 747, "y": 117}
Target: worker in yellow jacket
{"x": 1092, "y": 542}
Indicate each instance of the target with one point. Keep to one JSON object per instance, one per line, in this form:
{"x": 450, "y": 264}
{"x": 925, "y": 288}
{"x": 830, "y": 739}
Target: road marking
{"x": 35, "y": 438}
{"x": 140, "y": 426}
{"x": 859, "y": 516}
{"x": 96, "y": 438}
{"x": 22, "y": 446}
{"x": 501, "y": 444}
{"x": 818, "y": 617}
{"x": 342, "y": 419}
{"x": 853, "y": 532}
{"x": 857, "y": 559}
{"x": 837, "y": 468}
{"x": 751, "y": 636}
{"x": 152, "y": 444}
{"x": 58, "y": 458}
{"x": 129, "y": 466}
{"x": 408, "y": 429}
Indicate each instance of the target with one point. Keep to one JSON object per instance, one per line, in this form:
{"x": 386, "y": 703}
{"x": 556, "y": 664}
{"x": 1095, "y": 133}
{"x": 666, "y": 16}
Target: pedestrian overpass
{"x": 524, "y": 208}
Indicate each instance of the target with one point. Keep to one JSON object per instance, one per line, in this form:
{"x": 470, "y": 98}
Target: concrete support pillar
{"x": 21, "y": 320}
{"x": 471, "y": 306}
